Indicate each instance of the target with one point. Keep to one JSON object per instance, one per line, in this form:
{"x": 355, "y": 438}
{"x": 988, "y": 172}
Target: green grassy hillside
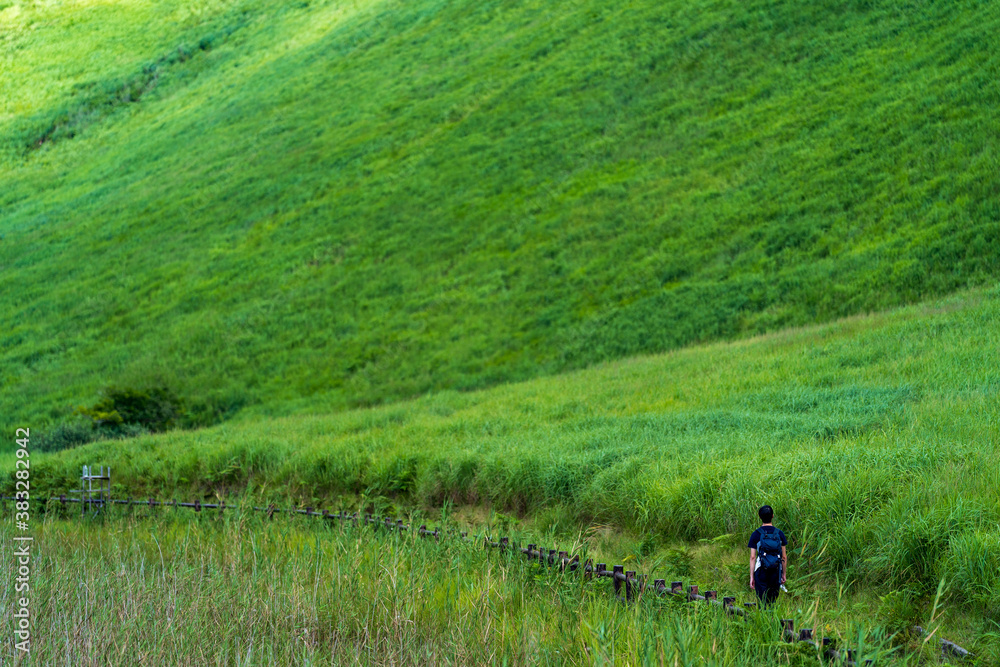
{"x": 316, "y": 205}
{"x": 874, "y": 437}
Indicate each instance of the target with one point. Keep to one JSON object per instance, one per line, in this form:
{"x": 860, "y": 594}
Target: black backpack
{"x": 769, "y": 548}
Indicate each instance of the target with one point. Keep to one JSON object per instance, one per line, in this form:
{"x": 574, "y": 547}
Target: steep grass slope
{"x": 876, "y": 438}
{"x": 324, "y": 204}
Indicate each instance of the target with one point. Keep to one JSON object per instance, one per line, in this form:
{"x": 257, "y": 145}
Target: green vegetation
{"x": 79, "y": 431}
{"x": 874, "y": 437}
{"x": 286, "y": 593}
{"x": 154, "y": 408}
{"x": 308, "y": 206}
{"x": 308, "y": 210}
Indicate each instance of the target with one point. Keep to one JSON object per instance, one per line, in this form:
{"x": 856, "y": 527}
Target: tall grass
{"x": 874, "y": 438}
{"x": 242, "y": 591}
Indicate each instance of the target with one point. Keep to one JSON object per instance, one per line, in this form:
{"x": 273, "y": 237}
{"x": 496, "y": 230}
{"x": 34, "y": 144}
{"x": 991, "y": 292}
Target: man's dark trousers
{"x": 767, "y": 583}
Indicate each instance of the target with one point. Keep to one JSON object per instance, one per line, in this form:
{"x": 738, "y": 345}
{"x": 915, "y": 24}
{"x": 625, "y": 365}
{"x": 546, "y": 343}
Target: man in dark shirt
{"x": 767, "y": 568}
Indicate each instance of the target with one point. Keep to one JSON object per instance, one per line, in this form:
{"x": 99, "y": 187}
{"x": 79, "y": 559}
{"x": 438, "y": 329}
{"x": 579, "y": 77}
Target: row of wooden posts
{"x": 628, "y": 585}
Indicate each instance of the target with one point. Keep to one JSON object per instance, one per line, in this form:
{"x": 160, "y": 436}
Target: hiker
{"x": 768, "y": 558}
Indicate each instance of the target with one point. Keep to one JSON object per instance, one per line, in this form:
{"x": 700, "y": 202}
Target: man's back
{"x": 755, "y": 540}
{"x": 768, "y": 558}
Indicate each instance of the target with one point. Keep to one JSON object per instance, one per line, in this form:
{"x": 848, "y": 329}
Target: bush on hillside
{"x": 156, "y": 409}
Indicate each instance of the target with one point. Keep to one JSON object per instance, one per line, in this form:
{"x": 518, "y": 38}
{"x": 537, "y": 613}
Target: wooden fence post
{"x": 788, "y": 629}
{"x": 618, "y": 569}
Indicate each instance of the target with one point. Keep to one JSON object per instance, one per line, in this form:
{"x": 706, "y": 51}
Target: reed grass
{"x": 184, "y": 589}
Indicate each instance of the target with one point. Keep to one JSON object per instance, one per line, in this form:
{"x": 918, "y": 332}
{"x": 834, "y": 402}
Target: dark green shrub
{"x": 156, "y": 409}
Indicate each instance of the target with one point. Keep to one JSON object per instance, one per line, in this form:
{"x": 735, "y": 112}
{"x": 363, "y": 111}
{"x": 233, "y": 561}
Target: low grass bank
{"x": 183, "y": 589}
{"x": 874, "y": 437}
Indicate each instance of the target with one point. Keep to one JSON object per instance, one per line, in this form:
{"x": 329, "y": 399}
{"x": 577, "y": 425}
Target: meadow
{"x": 604, "y": 275}
{"x": 874, "y": 437}
{"x": 180, "y": 589}
{"x": 301, "y": 207}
